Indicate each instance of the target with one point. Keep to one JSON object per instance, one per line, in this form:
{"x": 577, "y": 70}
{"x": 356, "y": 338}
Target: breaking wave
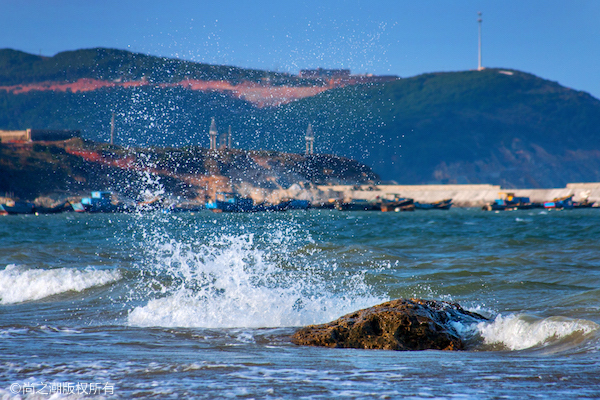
{"x": 19, "y": 284}
{"x": 520, "y": 332}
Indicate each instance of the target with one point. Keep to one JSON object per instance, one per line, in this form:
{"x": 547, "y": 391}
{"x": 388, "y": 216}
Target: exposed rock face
{"x": 403, "y": 324}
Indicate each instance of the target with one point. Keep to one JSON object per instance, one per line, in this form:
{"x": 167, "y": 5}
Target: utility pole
{"x": 479, "y": 66}
{"x": 112, "y": 129}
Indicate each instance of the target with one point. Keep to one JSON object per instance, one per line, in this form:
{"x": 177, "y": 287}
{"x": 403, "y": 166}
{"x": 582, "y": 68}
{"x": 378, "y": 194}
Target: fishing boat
{"x": 358, "y": 205}
{"x": 510, "y": 202}
{"x": 78, "y": 207}
{"x": 583, "y": 204}
{"x": 560, "y": 203}
{"x": 326, "y": 205}
{"x": 56, "y": 209}
{"x": 100, "y": 202}
{"x": 183, "y": 207}
{"x": 398, "y": 204}
{"x": 17, "y": 207}
{"x": 232, "y": 202}
{"x": 281, "y": 206}
{"x": 296, "y": 204}
{"x": 585, "y": 200}
{"x": 436, "y": 205}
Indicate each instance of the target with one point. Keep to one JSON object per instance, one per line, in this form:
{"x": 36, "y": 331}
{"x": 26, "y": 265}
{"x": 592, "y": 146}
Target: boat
{"x": 296, "y": 204}
{"x": 560, "y": 203}
{"x": 585, "y": 201}
{"x": 183, "y": 207}
{"x": 398, "y": 204}
{"x": 358, "y": 205}
{"x": 100, "y": 202}
{"x": 232, "y": 202}
{"x": 78, "y": 207}
{"x": 436, "y": 205}
{"x": 326, "y": 205}
{"x": 281, "y": 206}
{"x": 17, "y": 207}
{"x": 59, "y": 208}
{"x": 510, "y": 202}
{"x": 583, "y": 204}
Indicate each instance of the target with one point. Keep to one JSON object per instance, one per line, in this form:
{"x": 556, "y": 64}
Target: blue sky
{"x": 556, "y": 40}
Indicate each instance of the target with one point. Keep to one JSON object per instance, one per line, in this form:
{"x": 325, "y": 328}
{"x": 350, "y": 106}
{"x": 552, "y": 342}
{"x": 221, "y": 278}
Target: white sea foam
{"x": 519, "y": 332}
{"x": 19, "y": 284}
{"x": 232, "y": 283}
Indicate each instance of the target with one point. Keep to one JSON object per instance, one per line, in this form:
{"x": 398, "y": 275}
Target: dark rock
{"x": 403, "y": 324}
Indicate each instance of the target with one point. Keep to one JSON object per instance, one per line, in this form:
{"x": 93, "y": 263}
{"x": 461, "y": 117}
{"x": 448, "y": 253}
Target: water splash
{"x": 237, "y": 280}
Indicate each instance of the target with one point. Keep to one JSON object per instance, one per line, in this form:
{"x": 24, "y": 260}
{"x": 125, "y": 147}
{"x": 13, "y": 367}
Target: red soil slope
{"x": 258, "y": 94}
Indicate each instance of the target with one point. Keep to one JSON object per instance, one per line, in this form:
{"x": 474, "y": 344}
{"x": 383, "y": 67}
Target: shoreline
{"x": 461, "y": 195}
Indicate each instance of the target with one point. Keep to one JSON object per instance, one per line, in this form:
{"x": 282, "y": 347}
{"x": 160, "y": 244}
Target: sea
{"x": 156, "y": 305}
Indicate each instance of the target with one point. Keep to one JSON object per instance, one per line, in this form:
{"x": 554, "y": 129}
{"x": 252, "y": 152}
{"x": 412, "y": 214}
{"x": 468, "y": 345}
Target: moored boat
{"x": 398, "y": 204}
{"x": 17, "y": 207}
{"x": 583, "y": 204}
{"x": 436, "y": 205}
{"x": 560, "y": 203}
{"x": 510, "y": 202}
{"x": 101, "y": 201}
{"x": 183, "y": 207}
{"x": 296, "y": 204}
{"x": 232, "y": 202}
{"x": 358, "y": 205}
{"x": 59, "y": 208}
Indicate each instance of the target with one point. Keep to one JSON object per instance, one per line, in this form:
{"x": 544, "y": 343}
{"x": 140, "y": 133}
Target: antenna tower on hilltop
{"x": 479, "y": 20}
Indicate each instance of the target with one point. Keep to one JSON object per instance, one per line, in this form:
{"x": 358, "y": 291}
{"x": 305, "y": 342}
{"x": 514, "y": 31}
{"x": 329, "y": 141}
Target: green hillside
{"x": 467, "y": 127}
{"x": 494, "y": 126}
{"x": 17, "y": 67}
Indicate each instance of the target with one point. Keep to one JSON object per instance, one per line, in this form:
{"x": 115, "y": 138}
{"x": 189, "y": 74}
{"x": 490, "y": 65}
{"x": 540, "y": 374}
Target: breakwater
{"x": 461, "y": 195}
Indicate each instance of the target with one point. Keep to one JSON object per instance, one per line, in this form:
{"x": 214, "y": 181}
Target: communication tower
{"x": 479, "y": 20}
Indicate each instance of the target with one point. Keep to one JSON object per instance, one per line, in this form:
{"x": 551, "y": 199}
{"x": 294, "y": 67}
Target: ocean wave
{"x": 520, "y": 332}
{"x": 19, "y": 284}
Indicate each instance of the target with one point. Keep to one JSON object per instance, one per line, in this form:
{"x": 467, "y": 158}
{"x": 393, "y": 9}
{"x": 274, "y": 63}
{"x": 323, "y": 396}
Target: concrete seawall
{"x": 462, "y": 195}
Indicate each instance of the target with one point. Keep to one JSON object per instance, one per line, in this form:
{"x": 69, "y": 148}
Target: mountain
{"x": 494, "y": 126}
{"x": 497, "y": 126}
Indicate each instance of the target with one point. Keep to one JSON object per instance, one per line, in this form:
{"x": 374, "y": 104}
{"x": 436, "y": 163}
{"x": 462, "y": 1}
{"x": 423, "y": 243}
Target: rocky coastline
{"x": 49, "y": 173}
